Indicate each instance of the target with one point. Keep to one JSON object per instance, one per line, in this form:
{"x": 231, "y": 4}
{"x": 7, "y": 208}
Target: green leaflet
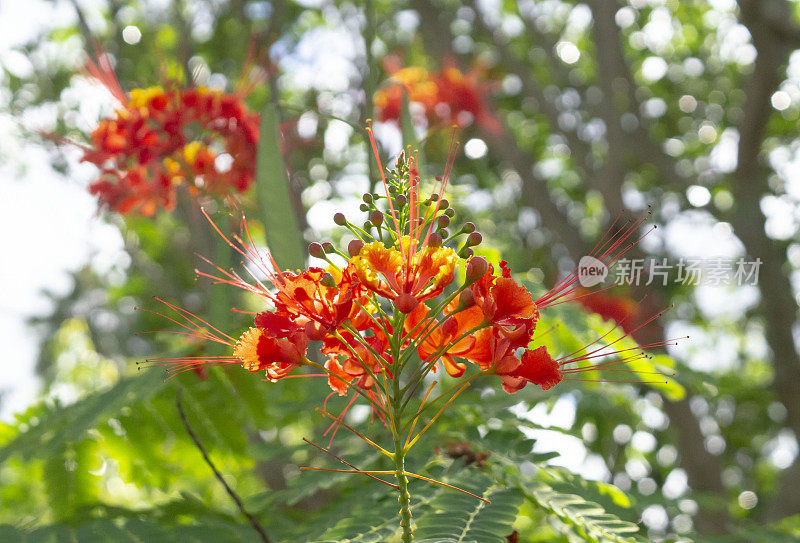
{"x": 272, "y": 188}
{"x": 458, "y": 518}
{"x": 585, "y": 519}
{"x": 55, "y": 425}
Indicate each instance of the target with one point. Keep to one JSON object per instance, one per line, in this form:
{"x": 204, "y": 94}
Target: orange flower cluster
{"x": 390, "y": 310}
{"x": 449, "y": 97}
{"x": 161, "y": 139}
{"x": 388, "y": 302}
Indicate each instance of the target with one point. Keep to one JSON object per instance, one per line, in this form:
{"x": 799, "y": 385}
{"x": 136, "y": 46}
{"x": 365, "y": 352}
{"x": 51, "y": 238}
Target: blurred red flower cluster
{"x": 449, "y": 96}
{"x": 159, "y": 140}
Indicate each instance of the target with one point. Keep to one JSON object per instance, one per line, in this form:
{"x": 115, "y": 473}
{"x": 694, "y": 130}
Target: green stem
{"x": 405, "y": 497}
{"x": 400, "y": 473}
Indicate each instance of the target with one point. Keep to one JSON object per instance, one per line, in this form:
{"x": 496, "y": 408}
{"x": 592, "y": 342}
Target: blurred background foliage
{"x": 604, "y": 107}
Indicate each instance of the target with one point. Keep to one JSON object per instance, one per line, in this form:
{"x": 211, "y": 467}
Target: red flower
{"x": 447, "y": 97}
{"x": 536, "y": 367}
{"x": 160, "y": 139}
{"x": 466, "y": 93}
{"x": 308, "y": 300}
{"x": 441, "y": 334}
{"x": 276, "y": 345}
{"x": 506, "y": 304}
{"x": 407, "y": 278}
{"x": 352, "y": 357}
{"x": 492, "y": 350}
{"x": 620, "y": 309}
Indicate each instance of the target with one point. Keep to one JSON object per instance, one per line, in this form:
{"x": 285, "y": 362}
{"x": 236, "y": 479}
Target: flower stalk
{"x": 400, "y": 450}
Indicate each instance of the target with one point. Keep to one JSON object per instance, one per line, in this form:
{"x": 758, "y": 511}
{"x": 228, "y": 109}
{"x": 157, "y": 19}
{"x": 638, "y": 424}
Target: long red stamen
{"x": 176, "y": 366}
{"x": 383, "y": 178}
{"x": 628, "y": 333}
{"x": 608, "y": 250}
{"x": 103, "y": 72}
{"x": 635, "y": 381}
{"x": 448, "y": 168}
{"x": 338, "y": 420}
{"x": 194, "y": 329}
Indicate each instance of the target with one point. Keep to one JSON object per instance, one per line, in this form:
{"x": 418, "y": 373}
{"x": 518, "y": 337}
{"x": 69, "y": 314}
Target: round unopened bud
{"x": 315, "y": 250}
{"x": 328, "y": 247}
{"x": 444, "y": 204}
{"x": 392, "y": 189}
{"x": 476, "y": 267}
{"x": 340, "y": 219}
{"x": 376, "y": 218}
{"x": 328, "y": 280}
{"x": 465, "y": 300}
{"x": 443, "y": 221}
{"x": 466, "y": 252}
{"x": 401, "y": 200}
{"x": 450, "y": 212}
{"x": 364, "y": 207}
{"x": 468, "y": 228}
{"x": 367, "y": 226}
{"x": 406, "y": 303}
{"x": 474, "y": 238}
{"x": 444, "y": 233}
{"x": 438, "y": 177}
{"x": 435, "y": 240}
{"x": 367, "y": 197}
{"x": 435, "y": 197}
{"x": 354, "y": 247}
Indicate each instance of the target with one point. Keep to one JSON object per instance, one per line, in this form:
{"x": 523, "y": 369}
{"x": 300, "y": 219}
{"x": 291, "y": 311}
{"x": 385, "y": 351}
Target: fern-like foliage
{"x": 44, "y": 429}
{"x": 128, "y": 530}
{"x": 583, "y": 518}
{"x": 454, "y": 517}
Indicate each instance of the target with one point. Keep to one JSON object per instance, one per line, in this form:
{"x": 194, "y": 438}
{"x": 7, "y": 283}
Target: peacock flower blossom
{"x": 494, "y": 352}
{"x": 448, "y": 97}
{"x": 393, "y": 312}
{"x": 424, "y": 276}
{"x": 466, "y": 93}
{"x": 447, "y": 340}
{"x": 505, "y": 303}
{"x": 414, "y": 81}
{"x": 539, "y": 367}
{"x": 160, "y": 140}
{"x": 275, "y": 345}
{"x": 361, "y": 361}
{"x": 535, "y": 366}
